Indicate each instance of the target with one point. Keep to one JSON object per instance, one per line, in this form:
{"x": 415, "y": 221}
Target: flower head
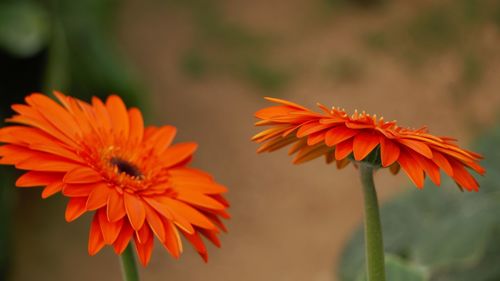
{"x": 100, "y": 155}
{"x": 360, "y": 137}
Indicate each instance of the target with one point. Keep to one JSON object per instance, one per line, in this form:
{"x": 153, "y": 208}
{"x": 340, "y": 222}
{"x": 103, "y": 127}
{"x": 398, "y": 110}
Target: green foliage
{"x": 82, "y": 57}
{"x": 398, "y": 270}
{"x": 449, "y": 234}
{"x": 24, "y": 28}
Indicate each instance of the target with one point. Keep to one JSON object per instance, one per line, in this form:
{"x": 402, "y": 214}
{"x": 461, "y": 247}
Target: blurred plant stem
{"x": 56, "y": 70}
{"x": 375, "y": 264}
{"x": 129, "y": 266}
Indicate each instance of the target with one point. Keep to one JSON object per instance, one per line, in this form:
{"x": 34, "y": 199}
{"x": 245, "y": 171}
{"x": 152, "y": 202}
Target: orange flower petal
{"x": 46, "y": 162}
{"x": 198, "y": 186}
{"x": 123, "y": 238}
{"x": 178, "y": 153}
{"x": 442, "y": 162}
{"x": 118, "y": 115}
{"x": 363, "y": 144}
{"x": 162, "y": 138}
{"x": 75, "y": 208}
{"x": 98, "y": 197}
{"x": 96, "y": 241}
{"x": 82, "y": 175}
{"x": 136, "y": 125}
{"x": 389, "y": 151}
{"x": 339, "y": 134}
{"x": 77, "y": 190}
{"x": 103, "y": 158}
{"x": 109, "y": 230}
{"x": 431, "y": 169}
{"x": 201, "y": 200}
{"x": 412, "y": 168}
{"x": 180, "y": 209}
{"x": 198, "y": 244}
{"x": 417, "y": 146}
{"x": 135, "y": 210}
{"x": 52, "y": 189}
{"x": 36, "y": 178}
{"x": 55, "y": 114}
{"x": 144, "y": 251}
{"x": 144, "y": 234}
{"x": 462, "y": 177}
{"x": 156, "y": 223}
{"x": 343, "y": 149}
{"x": 116, "y": 207}
{"x": 172, "y": 241}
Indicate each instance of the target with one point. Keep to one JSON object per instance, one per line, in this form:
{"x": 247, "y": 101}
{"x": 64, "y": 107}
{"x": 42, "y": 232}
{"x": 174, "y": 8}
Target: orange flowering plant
{"x": 137, "y": 184}
{"x": 370, "y": 143}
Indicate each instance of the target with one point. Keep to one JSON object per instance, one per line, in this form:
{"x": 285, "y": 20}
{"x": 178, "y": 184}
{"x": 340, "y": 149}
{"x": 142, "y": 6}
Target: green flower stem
{"x": 129, "y": 266}
{"x": 374, "y": 245}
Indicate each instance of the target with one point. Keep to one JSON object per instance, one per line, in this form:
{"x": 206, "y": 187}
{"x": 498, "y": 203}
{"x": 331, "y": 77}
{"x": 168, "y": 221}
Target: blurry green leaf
{"x": 24, "y": 28}
{"x": 397, "y": 269}
{"x": 456, "y": 241}
{"x": 57, "y": 69}
{"x": 488, "y": 145}
{"x": 486, "y": 270}
{"x": 436, "y": 228}
{"x": 453, "y": 234}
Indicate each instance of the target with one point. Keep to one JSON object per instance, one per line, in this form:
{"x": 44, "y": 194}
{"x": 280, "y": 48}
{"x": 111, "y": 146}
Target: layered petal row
{"x": 343, "y": 138}
{"x": 99, "y": 155}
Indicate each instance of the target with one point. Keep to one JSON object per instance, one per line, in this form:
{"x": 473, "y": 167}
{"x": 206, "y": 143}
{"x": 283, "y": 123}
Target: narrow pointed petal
{"x": 123, "y": 238}
{"x": 343, "y": 149}
{"x": 75, "y": 208}
{"x": 178, "y": 153}
{"x": 115, "y": 207}
{"x": 98, "y": 197}
{"x": 172, "y": 241}
{"x": 109, "y": 230}
{"x": 363, "y": 144}
{"x": 389, "y": 151}
{"x": 36, "y": 178}
{"x": 417, "y": 146}
{"x": 155, "y": 222}
{"x": 135, "y": 210}
{"x": 118, "y": 115}
{"x": 339, "y": 134}
{"x": 52, "y": 189}
{"x": 412, "y": 168}
{"x": 96, "y": 241}
{"x": 144, "y": 251}
{"x": 82, "y": 175}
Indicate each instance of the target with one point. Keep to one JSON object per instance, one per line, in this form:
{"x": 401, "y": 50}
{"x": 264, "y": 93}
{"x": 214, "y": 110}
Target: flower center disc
{"x": 126, "y": 167}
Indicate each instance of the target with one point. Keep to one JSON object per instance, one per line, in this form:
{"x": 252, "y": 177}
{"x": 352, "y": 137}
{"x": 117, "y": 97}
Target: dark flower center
{"x": 126, "y": 167}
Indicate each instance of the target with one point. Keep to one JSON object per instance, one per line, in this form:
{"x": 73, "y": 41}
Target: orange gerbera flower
{"x": 361, "y": 137}
{"x": 102, "y": 158}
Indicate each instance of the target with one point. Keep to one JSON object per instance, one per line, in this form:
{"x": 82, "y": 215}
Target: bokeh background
{"x": 204, "y": 66}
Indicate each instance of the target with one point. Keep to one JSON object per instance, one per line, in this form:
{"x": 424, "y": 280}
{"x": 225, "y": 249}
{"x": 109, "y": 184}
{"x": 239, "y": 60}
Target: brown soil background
{"x": 289, "y": 222}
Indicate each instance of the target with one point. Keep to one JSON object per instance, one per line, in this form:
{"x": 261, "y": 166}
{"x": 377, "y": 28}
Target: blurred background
{"x": 204, "y": 66}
